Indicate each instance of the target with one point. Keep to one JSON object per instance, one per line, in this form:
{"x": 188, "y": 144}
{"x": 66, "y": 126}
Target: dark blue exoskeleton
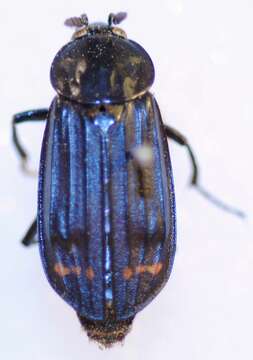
{"x": 106, "y": 207}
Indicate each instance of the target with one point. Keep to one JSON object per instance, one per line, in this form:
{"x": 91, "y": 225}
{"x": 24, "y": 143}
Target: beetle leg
{"x": 32, "y": 115}
{"x": 181, "y": 139}
{"x": 30, "y": 236}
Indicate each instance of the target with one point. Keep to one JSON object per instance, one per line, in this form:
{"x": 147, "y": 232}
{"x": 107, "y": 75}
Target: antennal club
{"x": 77, "y": 22}
{"x": 115, "y": 19}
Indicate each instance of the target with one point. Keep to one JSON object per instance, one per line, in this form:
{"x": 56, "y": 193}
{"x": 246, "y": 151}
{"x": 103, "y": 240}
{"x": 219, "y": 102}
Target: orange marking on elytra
{"x": 127, "y": 273}
{"x": 90, "y": 273}
{"x": 152, "y": 269}
{"x": 61, "y": 270}
{"x": 76, "y": 270}
{"x": 140, "y": 269}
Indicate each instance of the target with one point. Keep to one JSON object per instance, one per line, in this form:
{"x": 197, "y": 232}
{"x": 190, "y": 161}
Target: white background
{"x": 202, "y": 51}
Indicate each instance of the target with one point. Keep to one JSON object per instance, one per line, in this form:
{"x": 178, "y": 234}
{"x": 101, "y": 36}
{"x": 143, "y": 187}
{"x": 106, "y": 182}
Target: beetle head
{"x": 100, "y": 65}
{"x": 83, "y": 28}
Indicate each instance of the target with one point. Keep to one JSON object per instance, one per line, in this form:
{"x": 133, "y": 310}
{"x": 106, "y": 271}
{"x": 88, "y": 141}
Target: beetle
{"x": 106, "y": 218}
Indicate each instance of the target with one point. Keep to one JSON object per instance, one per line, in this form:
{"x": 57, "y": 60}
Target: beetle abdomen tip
{"x": 106, "y": 333}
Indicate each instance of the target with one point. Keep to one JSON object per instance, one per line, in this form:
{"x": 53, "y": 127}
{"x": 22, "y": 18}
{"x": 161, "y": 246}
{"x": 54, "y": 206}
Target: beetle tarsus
{"x": 30, "y": 236}
{"x": 218, "y": 202}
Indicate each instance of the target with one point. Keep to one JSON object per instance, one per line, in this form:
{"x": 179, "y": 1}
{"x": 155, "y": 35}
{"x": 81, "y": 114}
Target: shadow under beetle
{"x": 106, "y": 204}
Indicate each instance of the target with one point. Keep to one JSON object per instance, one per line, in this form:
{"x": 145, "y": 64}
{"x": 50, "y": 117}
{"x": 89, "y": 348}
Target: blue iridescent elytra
{"x": 106, "y": 209}
{"x": 92, "y": 214}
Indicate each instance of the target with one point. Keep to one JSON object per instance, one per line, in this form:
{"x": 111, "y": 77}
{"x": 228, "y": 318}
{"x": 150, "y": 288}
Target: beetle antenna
{"x": 78, "y": 22}
{"x": 115, "y": 19}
